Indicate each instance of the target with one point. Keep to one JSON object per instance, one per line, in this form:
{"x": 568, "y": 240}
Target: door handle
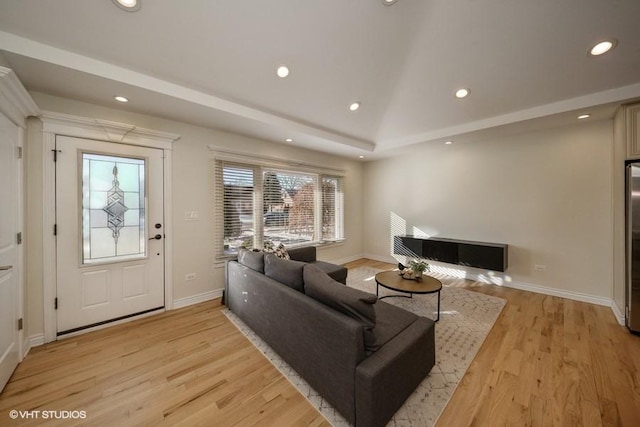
{"x": 156, "y": 237}
{"x": 6, "y": 267}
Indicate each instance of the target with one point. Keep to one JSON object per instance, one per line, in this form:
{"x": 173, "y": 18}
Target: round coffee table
{"x": 392, "y": 280}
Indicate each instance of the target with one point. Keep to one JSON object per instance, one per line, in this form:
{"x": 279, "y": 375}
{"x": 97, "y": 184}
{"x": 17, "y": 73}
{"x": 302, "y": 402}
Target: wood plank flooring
{"x": 547, "y": 361}
{"x": 185, "y": 367}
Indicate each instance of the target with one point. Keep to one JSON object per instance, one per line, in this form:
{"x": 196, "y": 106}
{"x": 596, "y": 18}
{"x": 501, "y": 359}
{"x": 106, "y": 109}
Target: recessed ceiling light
{"x": 603, "y": 47}
{"x": 129, "y": 5}
{"x": 461, "y": 93}
{"x": 584, "y": 116}
{"x": 448, "y": 142}
{"x": 361, "y": 157}
{"x": 288, "y": 140}
{"x": 354, "y": 106}
{"x": 121, "y": 98}
{"x": 283, "y": 71}
{"x": 388, "y": 2}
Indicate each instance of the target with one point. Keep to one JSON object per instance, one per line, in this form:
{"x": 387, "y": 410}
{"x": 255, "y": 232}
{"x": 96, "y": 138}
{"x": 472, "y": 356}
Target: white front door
{"x": 9, "y": 188}
{"x": 110, "y": 232}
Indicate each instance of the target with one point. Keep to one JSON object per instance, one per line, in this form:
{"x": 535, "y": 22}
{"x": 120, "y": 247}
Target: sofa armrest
{"x": 304, "y": 254}
{"x": 387, "y": 378}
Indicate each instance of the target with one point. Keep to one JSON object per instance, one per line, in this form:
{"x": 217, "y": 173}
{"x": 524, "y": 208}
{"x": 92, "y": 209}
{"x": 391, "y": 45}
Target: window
{"x": 255, "y": 204}
{"x": 238, "y": 205}
{"x": 113, "y": 208}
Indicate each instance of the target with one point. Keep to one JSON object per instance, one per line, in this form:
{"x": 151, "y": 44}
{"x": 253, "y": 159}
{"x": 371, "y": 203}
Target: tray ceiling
{"x": 214, "y": 64}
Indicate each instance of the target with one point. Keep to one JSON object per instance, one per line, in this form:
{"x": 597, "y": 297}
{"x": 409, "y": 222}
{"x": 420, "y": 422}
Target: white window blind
{"x": 289, "y": 207}
{"x": 255, "y": 204}
{"x": 332, "y": 218}
{"x": 235, "y": 185}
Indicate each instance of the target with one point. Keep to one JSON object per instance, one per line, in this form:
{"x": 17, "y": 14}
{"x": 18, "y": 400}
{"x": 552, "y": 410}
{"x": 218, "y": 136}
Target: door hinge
{"x": 55, "y": 154}
{"x": 19, "y": 238}
{"x": 19, "y": 153}
{"x": 55, "y": 303}
{"x": 55, "y": 229}
{"x": 20, "y": 324}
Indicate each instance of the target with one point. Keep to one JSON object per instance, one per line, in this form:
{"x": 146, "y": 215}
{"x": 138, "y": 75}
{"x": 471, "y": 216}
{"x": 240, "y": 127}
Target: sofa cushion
{"x": 336, "y": 272}
{"x": 390, "y": 321}
{"x": 253, "y": 260}
{"x": 285, "y": 271}
{"x": 352, "y": 302}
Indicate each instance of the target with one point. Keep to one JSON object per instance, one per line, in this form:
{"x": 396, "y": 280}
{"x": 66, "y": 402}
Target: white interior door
{"x": 110, "y": 232}
{"x": 9, "y": 188}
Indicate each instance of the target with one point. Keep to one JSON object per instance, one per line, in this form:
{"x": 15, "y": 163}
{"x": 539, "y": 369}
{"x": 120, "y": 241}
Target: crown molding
{"x": 616, "y": 95}
{"x": 230, "y": 155}
{"x": 15, "y": 101}
{"x": 64, "y": 58}
{"x": 66, "y": 124}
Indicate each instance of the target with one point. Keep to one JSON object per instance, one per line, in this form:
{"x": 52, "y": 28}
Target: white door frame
{"x": 119, "y": 133}
{"x": 16, "y": 105}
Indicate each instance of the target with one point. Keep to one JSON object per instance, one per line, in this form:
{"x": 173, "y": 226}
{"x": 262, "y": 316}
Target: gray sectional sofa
{"x": 364, "y": 356}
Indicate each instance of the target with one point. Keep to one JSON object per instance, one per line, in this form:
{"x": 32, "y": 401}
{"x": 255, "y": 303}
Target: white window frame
{"x": 262, "y": 164}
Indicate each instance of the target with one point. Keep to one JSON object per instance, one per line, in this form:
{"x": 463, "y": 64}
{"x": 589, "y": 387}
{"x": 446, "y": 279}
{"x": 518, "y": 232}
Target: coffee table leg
{"x": 438, "y": 318}
{"x": 377, "y": 286}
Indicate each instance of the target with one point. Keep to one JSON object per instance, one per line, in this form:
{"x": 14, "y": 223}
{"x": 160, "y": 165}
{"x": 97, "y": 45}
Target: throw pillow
{"x": 285, "y": 271}
{"x": 253, "y": 260}
{"x": 280, "y": 251}
{"x": 352, "y": 302}
{"x": 268, "y": 246}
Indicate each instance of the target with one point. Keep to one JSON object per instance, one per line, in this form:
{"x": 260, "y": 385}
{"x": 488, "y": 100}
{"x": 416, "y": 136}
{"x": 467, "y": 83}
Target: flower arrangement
{"x": 415, "y": 270}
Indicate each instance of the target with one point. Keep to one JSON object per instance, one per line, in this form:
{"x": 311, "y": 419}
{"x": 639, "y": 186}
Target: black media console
{"x": 490, "y": 256}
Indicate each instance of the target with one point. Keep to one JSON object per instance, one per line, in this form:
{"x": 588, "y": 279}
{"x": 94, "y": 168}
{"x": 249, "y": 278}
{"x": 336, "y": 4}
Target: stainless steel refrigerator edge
{"x": 632, "y": 296}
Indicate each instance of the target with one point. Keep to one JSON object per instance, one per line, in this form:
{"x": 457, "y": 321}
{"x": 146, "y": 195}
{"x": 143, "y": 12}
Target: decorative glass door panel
{"x": 113, "y": 208}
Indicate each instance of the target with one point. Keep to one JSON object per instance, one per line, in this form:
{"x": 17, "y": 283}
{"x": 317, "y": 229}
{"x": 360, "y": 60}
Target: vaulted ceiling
{"x": 213, "y": 63}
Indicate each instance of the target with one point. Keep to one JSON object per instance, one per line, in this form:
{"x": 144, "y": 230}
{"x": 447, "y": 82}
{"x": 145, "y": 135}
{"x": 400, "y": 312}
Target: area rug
{"x": 466, "y": 318}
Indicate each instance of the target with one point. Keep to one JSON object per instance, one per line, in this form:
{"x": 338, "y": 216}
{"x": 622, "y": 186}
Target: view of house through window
{"x": 289, "y": 207}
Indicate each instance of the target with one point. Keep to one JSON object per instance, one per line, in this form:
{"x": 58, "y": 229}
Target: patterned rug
{"x": 466, "y": 318}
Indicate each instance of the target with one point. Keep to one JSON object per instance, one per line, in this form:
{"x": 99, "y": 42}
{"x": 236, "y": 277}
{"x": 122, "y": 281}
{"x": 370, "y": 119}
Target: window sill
{"x": 330, "y": 244}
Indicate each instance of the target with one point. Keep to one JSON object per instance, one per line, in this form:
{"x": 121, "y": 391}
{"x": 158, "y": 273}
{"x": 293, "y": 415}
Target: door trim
{"x": 120, "y": 133}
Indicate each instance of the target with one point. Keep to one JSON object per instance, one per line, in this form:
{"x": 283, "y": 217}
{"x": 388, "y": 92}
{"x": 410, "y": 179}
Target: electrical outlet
{"x": 540, "y": 267}
{"x": 191, "y": 215}
{"x": 190, "y": 276}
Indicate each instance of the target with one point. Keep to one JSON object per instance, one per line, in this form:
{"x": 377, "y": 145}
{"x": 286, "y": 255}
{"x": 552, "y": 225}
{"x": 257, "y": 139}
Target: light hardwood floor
{"x": 547, "y": 361}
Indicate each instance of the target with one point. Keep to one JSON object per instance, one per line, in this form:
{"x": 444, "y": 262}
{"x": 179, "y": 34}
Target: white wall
{"x": 547, "y": 194}
{"x": 193, "y": 245}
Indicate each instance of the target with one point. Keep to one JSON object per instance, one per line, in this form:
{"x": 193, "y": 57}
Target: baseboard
{"x": 32, "y": 341}
{"x": 196, "y": 299}
{"x": 36, "y": 340}
{"x": 346, "y": 260}
{"x": 572, "y": 295}
{"x": 482, "y": 276}
{"x": 619, "y": 314}
{"x": 389, "y": 259}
